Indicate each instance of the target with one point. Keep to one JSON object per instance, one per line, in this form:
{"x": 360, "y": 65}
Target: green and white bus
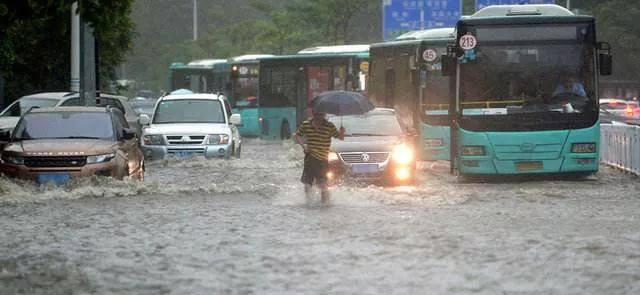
{"x": 526, "y": 91}
{"x": 242, "y": 91}
{"x": 288, "y": 83}
{"x": 200, "y": 76}
{"x": 406, "y": 75}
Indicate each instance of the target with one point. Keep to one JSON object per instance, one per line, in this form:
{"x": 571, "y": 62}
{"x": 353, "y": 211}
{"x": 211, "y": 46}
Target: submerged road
{"x": 242, "y": 227}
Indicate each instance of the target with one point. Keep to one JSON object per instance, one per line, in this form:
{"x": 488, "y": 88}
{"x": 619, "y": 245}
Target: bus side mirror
{"x": 448, "y": 65}
{"x": 606, "y": 64}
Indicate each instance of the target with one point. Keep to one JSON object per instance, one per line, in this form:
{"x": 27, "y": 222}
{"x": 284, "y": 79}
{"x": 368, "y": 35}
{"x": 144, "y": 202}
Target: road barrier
{"x": 620, "y": 147}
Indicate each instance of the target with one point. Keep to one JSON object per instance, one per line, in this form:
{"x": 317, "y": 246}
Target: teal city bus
{"x": 526, "y": 91}
{"x": 406, "y": 75}
{"x": 289, "y": 83}
{"x": 200, "y": 76}
{"x": 242, "y": 91}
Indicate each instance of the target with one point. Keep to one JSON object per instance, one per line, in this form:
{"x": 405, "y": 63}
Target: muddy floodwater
{"x": 242, "y": 226}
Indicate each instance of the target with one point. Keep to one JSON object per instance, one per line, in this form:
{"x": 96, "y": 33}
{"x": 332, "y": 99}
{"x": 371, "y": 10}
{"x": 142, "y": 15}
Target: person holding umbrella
{"x": 314, "y": 135}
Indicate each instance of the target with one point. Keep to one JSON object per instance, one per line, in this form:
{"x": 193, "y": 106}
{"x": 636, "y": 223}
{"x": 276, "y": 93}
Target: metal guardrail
{"x": 620, "y": 146}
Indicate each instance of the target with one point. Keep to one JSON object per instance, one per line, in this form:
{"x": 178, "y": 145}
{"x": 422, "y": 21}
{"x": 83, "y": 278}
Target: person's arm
{"x": 339, "y": 134}
{"x": 580, "y": 90}
{"x": 299, "y": 140}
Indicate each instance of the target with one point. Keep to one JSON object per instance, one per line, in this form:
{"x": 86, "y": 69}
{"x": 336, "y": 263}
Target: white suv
{"x": 191, "y": 124}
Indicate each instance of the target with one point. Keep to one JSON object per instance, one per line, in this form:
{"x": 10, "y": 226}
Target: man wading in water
{"x": 317, "y": 133}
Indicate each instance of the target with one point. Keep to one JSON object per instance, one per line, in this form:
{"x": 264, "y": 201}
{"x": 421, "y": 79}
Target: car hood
{"x": 365, "y": 144}
{"x": 187, "y": 128}
{"x": 61, "y": 147}
{"x": 8, "y": 122}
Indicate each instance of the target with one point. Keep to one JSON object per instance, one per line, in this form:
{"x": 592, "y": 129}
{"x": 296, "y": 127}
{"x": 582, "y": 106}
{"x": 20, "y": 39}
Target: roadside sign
{"x": 401, "y": 16}
{"x": 430, "y": 55}
{"x": 484, "y": 3}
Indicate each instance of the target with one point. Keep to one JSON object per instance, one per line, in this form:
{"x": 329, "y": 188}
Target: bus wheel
{"x": 285, "y": 131}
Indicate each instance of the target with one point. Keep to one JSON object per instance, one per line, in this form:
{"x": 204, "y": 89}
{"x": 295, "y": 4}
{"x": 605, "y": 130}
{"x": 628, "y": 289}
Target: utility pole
{"x": 74, "y": 84}
{"x": 569, "y": 4}
{"x": 195, "y": 20}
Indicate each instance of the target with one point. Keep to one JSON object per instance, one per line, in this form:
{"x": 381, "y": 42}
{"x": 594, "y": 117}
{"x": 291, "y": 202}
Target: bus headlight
{"x": 216, "y": 139}
{"x": 153, "y": 140}
{"x": 333, "y": 157}
{"x": 473, "y": 150}
{"x": 13, "y": 160}
{"x": 402, "y": 154}
{"x": 100, "y": 158}
{"x": 583, "y": 148}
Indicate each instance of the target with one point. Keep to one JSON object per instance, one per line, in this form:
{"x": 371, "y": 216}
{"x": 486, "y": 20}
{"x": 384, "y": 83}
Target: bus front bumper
{"x": 567, "y": 164}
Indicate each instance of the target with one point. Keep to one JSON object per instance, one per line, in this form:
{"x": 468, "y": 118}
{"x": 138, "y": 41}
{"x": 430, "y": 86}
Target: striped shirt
{"x": 318, "y": 140}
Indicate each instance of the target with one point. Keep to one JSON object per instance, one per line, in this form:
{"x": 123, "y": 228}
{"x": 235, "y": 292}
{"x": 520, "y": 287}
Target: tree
{"x": 34, "y": 55}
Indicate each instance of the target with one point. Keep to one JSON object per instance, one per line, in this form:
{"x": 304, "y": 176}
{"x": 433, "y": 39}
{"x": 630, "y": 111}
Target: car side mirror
{"x": 144, "y": 119}
{"x": 128, "y": 133}
{"x": 235, "y": 119}
{"x": 606, "y": 64}
{"x": 5, "y": 136}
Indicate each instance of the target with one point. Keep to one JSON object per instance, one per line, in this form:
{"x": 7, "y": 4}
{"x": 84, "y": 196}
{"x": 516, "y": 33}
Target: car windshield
{"x": 189, "y": 111}
{"x": 22, "y": 106}
{"x": 368, "y": 125}
{"x": 92, "y": 125}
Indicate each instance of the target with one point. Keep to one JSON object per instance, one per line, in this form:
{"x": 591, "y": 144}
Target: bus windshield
{"x": 530, "y": 77}
{"x": 245, "y": 87}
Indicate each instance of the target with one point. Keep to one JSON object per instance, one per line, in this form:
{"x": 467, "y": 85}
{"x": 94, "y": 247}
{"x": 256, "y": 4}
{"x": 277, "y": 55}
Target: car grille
{"x": 46, "y": 162}
{"x": 183, "y": 151}
{"x": 185, "y": 139}
{"x": 375, "y": 157}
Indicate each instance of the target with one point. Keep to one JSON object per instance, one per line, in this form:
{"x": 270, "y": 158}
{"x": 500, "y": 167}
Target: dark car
{"x": 57, "y": 144}
{"x": 375, "y": 149}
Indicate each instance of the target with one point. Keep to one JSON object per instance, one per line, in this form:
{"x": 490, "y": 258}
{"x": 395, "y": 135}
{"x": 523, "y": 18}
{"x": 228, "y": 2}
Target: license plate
{"x": 528, "y": 166}
{"x": 365, "y": 168}
{"x": 57, "y": 178}
{"x": 184, "y": 154}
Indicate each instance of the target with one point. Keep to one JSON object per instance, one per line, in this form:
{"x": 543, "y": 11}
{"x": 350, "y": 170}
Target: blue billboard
{"x": 484, "y": 3}
{"x": 401, "y": 16}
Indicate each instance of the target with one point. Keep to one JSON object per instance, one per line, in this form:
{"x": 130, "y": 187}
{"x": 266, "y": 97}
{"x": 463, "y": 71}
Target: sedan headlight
{"x": 402, "y": 154}
{"x": 153, "y": 140}
{"x": 333, "y": 157}
{"x": 473, "y": 150}
{"x": 583, "y": 148}
{"x": 100, "y": 158}
{"x": 216, "y": 139}
{"x": 13, "y": 160}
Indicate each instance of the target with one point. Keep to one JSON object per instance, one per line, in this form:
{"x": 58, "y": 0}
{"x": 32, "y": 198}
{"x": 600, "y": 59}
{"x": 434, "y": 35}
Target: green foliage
{"x": 34, "y": 52}
{"x": 618, "y": 24}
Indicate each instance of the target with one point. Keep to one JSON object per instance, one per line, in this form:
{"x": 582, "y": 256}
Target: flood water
{"x": 242, "y": 226}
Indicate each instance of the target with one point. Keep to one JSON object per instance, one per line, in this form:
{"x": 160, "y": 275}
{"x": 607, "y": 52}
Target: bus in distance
{"x": 526, "y": 91}
{"x": 406, "y": 76}
{"x": 199, "y": 76}
{"x": 242, "y": 91}
{"x": 289, "y": 83}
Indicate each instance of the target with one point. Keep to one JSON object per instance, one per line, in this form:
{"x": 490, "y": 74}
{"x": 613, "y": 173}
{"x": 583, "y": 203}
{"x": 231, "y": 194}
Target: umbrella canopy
{"x": 341, "y": 103}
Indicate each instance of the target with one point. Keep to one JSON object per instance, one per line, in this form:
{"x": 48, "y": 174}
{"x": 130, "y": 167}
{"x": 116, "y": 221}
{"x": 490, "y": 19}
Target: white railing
{"x": 620, "y": 147}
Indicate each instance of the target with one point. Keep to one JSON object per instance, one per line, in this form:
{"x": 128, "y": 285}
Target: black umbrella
{"x": 341, "y": 103}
